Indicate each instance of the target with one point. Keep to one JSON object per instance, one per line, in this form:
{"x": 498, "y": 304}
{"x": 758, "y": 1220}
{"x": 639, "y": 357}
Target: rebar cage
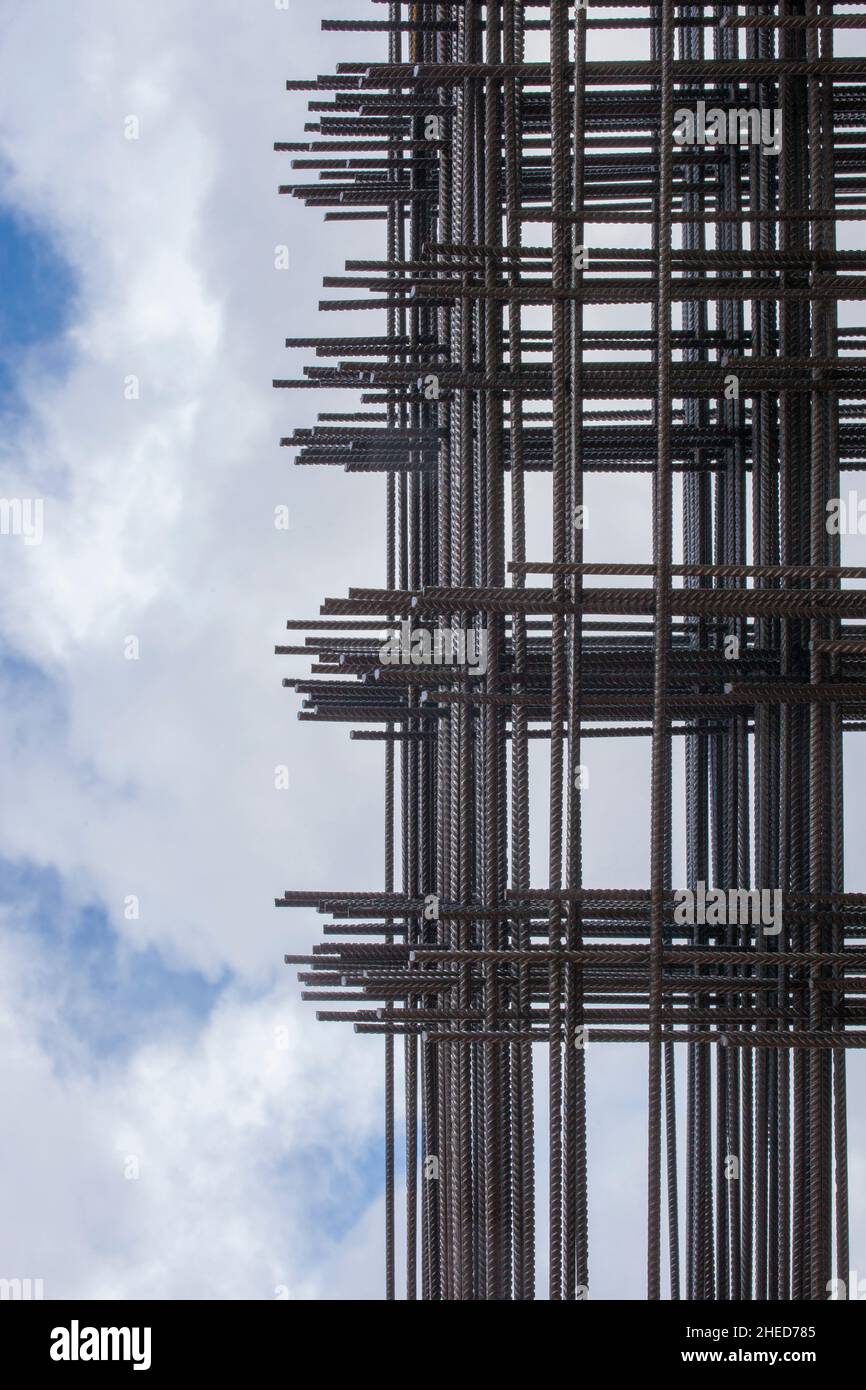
{"x": 495, "y": 177}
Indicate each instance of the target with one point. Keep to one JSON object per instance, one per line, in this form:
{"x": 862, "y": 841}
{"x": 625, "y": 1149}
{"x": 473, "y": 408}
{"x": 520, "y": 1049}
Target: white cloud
{"x": 159, "y": 510}
{"x": 249, "y": 1136}
{"x": 156, "y": 777}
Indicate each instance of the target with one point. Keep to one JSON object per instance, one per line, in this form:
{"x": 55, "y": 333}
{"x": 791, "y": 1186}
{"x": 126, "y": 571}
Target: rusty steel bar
{"x": 494, "y": 360}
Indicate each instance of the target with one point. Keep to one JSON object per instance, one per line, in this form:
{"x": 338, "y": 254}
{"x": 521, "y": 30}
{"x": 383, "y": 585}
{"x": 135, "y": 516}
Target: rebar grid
{"x": 752, "y": 649}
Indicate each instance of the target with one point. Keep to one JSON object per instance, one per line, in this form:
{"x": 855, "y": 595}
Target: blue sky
{"x": 173, "y": 1043}
{"x": 36, "y": 304}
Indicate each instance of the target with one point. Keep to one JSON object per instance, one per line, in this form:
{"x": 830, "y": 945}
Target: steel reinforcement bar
{"x": 498, "y": 143}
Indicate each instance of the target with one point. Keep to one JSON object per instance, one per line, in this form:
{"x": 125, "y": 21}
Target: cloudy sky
{"x": 176, "y": 1124}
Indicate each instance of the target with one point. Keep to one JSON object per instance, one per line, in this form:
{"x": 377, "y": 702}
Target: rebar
{"x": 751, "y": 649}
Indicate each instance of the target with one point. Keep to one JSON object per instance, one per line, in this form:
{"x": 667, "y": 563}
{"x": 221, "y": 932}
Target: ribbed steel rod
{"x": 739, "y": 969}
